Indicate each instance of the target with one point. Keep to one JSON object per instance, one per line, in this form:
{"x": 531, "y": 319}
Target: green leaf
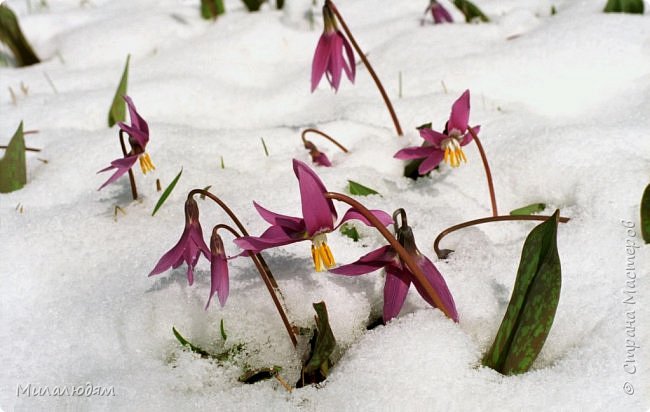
{"x": 322, "y": 344}
{"x": 117, "y": 112}
{"x": 13, "y": 169}
{"x": 12, "y": 36}
{"x": 210, "y": 9}
{"x": 350, "y": 231}
{"x": 624, "y": 6}
{"x": 188, "y": 345}
{"x": 360, "y": 190}
{"x": 266, "y": 150}
{"x": 167, "y": 192}
{"x": 529, "y": 209}
{"x": 222, "y": 329}
{"x": 532, "y": 307}
{"x": 206, "y": 189}
{"x": 645, "y": 214}
{"x": 253, "y": 5}
{"x": 221, "y": 357}
{"x": 470, "y": 11}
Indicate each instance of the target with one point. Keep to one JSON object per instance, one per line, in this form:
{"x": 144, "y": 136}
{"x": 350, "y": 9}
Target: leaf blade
{"x": 117, "y": 111}
{"x": 645, "y": 215}
{"x": 167, "y": 192}
{"x": 529, "y": 209}
{"x": 13, "y": 166}
{"x": 358, "y": 189}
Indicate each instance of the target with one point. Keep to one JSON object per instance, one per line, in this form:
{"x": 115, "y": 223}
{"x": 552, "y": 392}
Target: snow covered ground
{"x": 562, "y": 101}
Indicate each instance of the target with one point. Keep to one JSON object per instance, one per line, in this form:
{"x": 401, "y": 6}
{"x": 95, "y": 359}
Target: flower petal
{"x": 370, "y": 262}
{"x": 395, "y": 290}
{"x": 321, "y": 59}
{"x": 122, "y": 165}
{"x": 137, "y": 123}
{"x": 335, "y": 65}
{"x": 468, "y": 136}
{"x": 174, "y": 256}
{"x": 219, "y": 281}
{"x": 321, "y": 159}
{"x": 272, "y": 237}
{"x": 294, "y": 224}
{"x": 438, "y": 283}
{"x": 431, "y": 162}
{"x": 433, "y": 137}
{"x": 352, "y": 213}
{"x": 417, "y": 152}
{"x": 350, "y": 66}
{"x": 318, "y": 212}
{"x": 460, "y": 113}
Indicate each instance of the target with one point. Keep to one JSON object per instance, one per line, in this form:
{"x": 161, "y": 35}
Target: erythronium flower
{"x": 188, "y": 248}
{"x": 444, "y": 146}
{"x": 319, "y": 218}
{"x": 398, "y": 275}
{"x": 439, "y": 13}
{"x": 329, "y": 58}
{"x": 317, "y": 156}
{"x": 138, "y": 133}
{"x": 219, "y": 281}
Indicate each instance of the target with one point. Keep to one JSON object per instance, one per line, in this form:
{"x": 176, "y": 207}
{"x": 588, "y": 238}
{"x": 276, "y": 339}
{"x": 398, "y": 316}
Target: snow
{"x": 562, "y": 103}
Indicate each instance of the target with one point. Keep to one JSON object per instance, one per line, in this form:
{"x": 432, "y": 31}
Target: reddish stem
{"x": 265, "y": 273}
{"x": 365, "y": 61}
{"x": 325, "y": 135}
{"x": 134, "y": 190}
{"x": 403, "y": 254}
{"x": 488, "y": 174}
{"x": 443, "y": 253}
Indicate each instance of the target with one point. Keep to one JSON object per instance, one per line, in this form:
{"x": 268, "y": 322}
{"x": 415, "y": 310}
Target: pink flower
{"x": 329, "y": 58}
{"x": 319, "y": 218}
{"x": 138, "y": 138}
{"x": 447, "y": 145}
{"x": 219, "y": 280}
{"x": 439, "y": 13}
{"x": 317, "y": 156}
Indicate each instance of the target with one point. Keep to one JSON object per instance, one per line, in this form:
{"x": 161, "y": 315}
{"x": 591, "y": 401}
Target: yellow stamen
{"x": 145, "y": 163}
{"x": 321, "y": 253}
{"x": 316, "y": 257}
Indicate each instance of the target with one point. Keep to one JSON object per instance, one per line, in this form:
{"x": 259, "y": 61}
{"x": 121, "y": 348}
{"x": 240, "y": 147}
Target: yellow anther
{"x": 322, "y": 255}
{"x": 145, "y": 163}
{"x": 316, "y": 257}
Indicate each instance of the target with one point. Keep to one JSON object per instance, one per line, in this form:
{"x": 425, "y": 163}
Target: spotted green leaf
{"x": 624, "y": 6}
{"x": 117, "y": 112}
{"x": 470, "y": 11}
{"x": 529, "y": 209}
{"x": 13, "y": 170}
{"x": 358, "y": 189}
{"x": 645, "y": 214}
{"x": 167, "y": 192}
{"x": 532, "y": 307}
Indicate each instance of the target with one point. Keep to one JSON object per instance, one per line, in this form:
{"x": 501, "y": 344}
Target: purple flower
{"x": 319, "y": 218}
{"x": 329, "y": 58}
{"x": 439, "y": 13}
{"x": 219, "y": 281}
{"x": 317, "y": 156}
{"x": 188, "y": 248}
{"x": 438, "y": 146}
{"x": 398, "y": 275}
{"x": 138, "y": 133}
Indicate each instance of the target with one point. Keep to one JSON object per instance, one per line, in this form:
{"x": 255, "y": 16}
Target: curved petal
{"x": 370, "y": 262}
{"x": 320, "y": 61}
{"x": 350, "y": 66}
{"x": 431, "y": 162}
{"x": 293, "y": 224}
{"x": 272, "y": 237}
{"x": 395, "y": 290}
{"x": 460, "y": 113}
{"x": 433, "y": 137}
{"x": 335, "y": 66}
{"x": 318, "y": 212}
{"x": 196, "y": 234}
{"x": 122, "y": 165}
{"x": 468, "y": 136}
{"x": 219, "y": 281}
{"x": 321, "y": 159}
{"x": 172, "y": 256}
{"x": 140, "y": 137}
{"x": 138, "y": 123}
{"x": 352, "y": 213}
{"x": 436, "y": 280}
{"x": 418, "y": 152}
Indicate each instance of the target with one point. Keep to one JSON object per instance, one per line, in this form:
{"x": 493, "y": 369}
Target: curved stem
{"x": 488, "y": 174}
{"x": 134, "y": 190}
{"x": 403, "y": 254}
{"x": 325, "y": 135}
{"x": 265, "y": 273}
{"x": 365, "y": 61}
{"x": 29, "y": 149}
{"x": 443, "y": 253}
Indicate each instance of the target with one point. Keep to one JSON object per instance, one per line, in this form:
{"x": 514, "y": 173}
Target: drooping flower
{"x": 443, "y": 146}
{"x": 219, "y": 280}
{"x": 138, "y": 133}
{"x": 319, "y": 218}
{"x": 399, "y": 276}
{"x": 317, "y": 156}
{"x": 439, "y": 13}
{"x": 188, "y": 248}
{"x": 329, "y": 58}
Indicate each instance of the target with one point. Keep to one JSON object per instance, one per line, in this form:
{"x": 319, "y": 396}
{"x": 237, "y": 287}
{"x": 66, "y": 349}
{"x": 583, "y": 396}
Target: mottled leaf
{"x": 167, "y": 192}
{"x": 117, "y": 112}
{"x": 350, "y": 231}
{"x": 358, "y": 189}
{"x": 645, "y": 214}
{"x": 470, "y": 11}
{"x": 210, "y": 9}
{"x": 13, "y": 168}
{"x": 12, "y": 36}
{"x": 624, "y": 6}
{"x": 532, "y": 307}
{"x": 529, "y": 209}
{"x": 322, "y": 344}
